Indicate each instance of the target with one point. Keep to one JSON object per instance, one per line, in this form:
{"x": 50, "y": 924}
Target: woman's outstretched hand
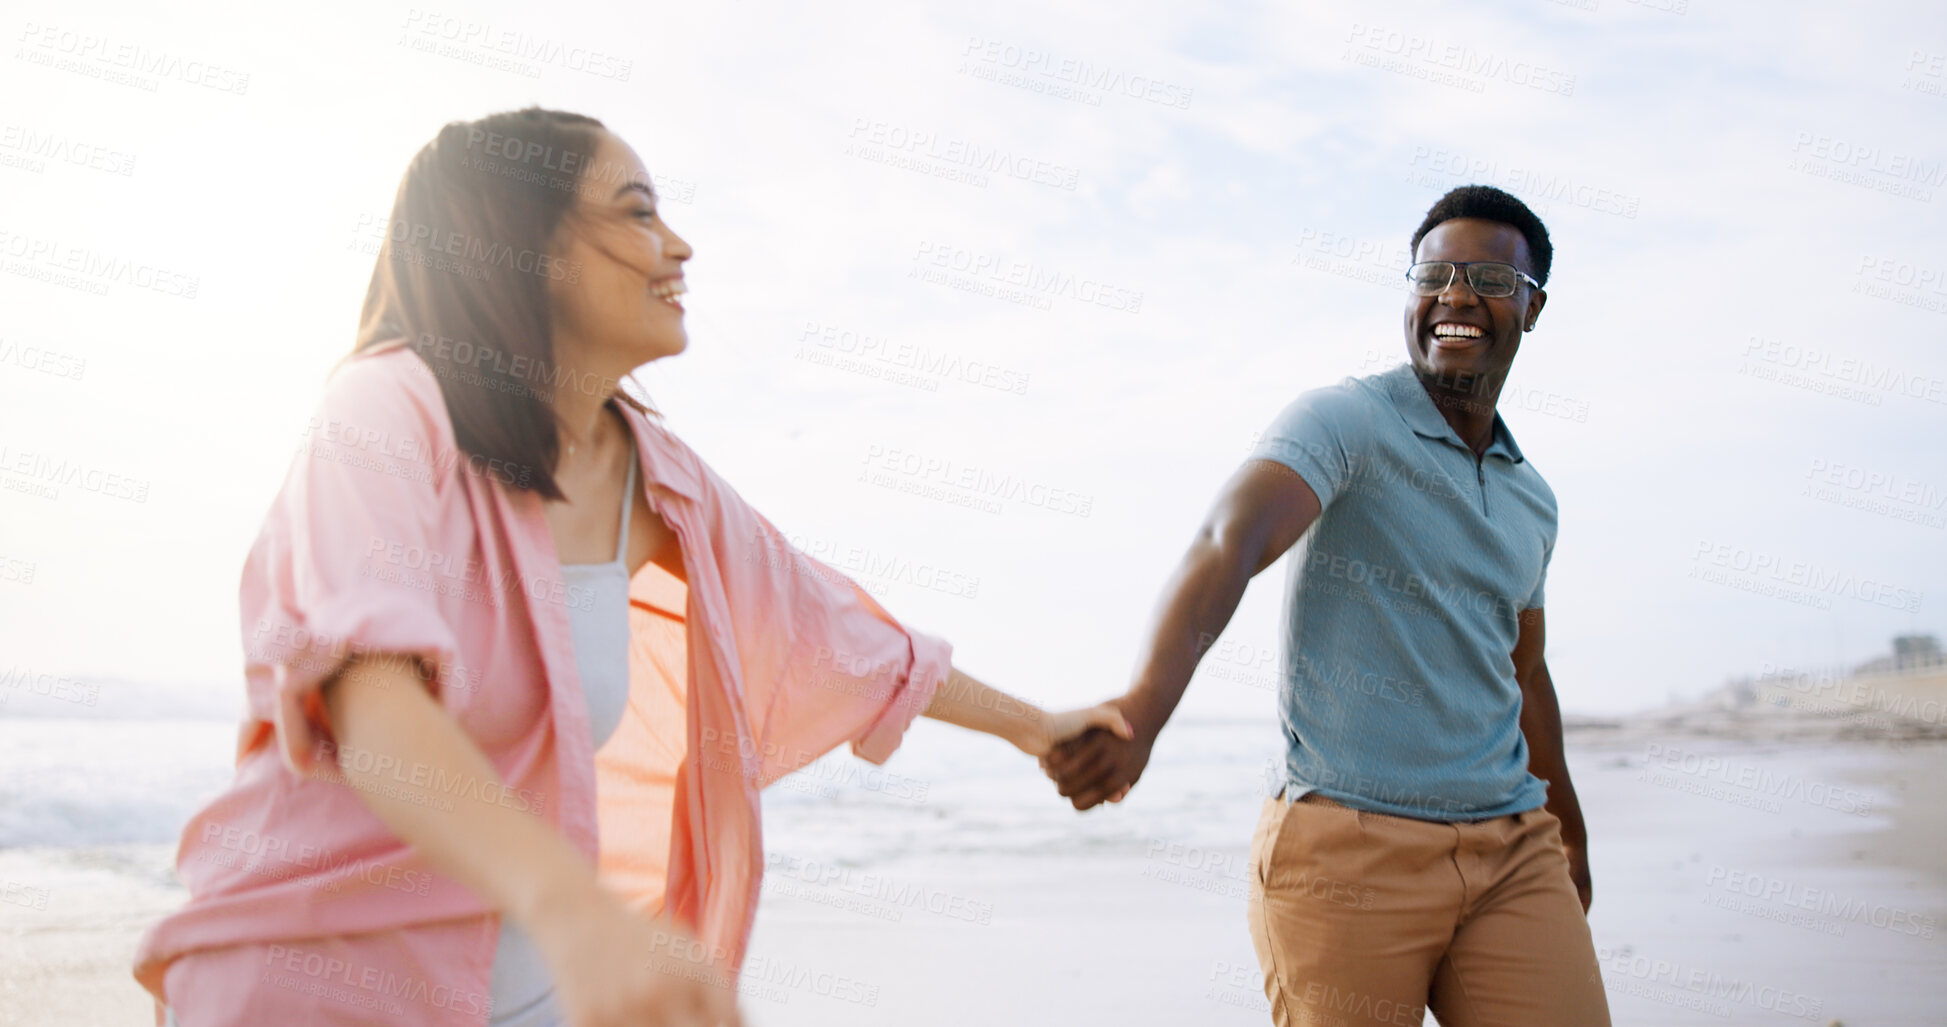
{"x": 614, "y": 968}
{"x": 1098, "y": 766}
{"x": 964, "y": 700}
{"x": 1058, "y": 727}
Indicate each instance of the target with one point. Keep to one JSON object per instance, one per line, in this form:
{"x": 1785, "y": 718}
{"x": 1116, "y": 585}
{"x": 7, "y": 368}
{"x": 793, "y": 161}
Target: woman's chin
{"x": 664, "y": 344}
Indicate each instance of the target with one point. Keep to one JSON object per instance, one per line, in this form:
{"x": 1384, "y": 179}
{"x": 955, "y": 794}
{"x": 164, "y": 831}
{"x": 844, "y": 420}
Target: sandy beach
{"x": 1739, "y": 879}
{"x": 1708, "y": 910}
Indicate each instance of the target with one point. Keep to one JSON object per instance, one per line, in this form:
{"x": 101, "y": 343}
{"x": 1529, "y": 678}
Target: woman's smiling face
{"x": 626, "y": 264}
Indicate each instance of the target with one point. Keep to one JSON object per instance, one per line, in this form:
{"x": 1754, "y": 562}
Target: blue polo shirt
{"x": 1401, "y": 604}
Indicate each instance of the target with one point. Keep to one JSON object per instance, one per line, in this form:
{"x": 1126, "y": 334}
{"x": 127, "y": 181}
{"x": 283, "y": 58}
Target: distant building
{"x": 1798, "y": 686}
{"x": 1909, "y": 652}
{"x": 1916, "y": 651}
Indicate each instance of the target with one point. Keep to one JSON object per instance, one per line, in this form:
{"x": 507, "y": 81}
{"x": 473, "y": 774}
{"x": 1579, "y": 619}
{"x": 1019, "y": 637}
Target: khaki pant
{"x": 1365, "y": 919}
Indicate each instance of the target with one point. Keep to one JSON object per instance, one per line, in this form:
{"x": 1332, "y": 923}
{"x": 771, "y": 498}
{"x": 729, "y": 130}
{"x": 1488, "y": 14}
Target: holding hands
{"x": 1098, "y": 764}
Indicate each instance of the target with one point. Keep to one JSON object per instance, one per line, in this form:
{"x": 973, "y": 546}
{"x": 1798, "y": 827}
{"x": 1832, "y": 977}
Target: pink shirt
{"x": 385, "y": 537}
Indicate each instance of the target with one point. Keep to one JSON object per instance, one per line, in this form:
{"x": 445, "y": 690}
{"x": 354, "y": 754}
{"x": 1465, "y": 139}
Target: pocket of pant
{"x": 1269, "y": 820}
{"x": 1547, "y": 828}
{"x": 1304, "y": 842}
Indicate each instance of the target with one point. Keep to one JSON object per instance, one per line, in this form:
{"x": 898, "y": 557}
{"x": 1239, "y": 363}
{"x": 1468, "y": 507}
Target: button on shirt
{"x": 1398, "y": 692}
{"x": 387, "y": 538}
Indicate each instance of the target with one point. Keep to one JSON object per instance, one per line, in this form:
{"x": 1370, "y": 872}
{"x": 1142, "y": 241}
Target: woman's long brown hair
{"x": 463, "y": 274}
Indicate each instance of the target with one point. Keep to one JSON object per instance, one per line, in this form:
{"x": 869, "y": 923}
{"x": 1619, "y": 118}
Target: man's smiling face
{"x": 1456, "y": 334}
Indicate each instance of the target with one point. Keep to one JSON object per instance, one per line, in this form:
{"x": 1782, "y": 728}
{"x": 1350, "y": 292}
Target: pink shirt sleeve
{"x": 323, "y": 581}
{"x": 823, "y": 663}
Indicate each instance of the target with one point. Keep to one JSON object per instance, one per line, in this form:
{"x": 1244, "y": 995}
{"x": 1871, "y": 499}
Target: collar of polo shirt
{"x": 1417, "y": 410}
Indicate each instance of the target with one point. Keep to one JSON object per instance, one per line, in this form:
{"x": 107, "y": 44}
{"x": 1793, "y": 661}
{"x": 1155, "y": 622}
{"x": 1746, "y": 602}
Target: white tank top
{"x": 523, "y": 990}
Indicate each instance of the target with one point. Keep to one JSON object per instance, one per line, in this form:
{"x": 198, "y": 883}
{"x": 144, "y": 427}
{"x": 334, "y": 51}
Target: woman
{"x": 487, "y": 563}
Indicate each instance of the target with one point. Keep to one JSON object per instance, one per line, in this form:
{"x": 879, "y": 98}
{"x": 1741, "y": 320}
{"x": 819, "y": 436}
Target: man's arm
{"x": 965, "y": 701}
{"x": 1541, "y": 725}
{"x": 1261, "y": 512}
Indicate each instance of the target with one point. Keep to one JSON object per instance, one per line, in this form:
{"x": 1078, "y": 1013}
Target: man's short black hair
{"x": 1491, "y": 204}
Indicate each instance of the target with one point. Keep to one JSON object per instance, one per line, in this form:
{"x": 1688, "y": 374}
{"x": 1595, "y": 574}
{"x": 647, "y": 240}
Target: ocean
{"x": 1736, "y": 881}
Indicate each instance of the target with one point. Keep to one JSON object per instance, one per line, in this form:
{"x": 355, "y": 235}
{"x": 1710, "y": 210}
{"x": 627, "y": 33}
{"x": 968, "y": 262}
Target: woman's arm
{"x": 611, "y": 966}
{"x": 966, "y": 702}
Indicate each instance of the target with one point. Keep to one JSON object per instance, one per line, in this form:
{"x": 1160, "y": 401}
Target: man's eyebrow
{"x": 638, "y": 187}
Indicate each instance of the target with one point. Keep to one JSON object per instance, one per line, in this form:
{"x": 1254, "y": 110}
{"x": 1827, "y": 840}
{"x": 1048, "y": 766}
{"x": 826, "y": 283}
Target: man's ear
{"x": 1535, "y": 303}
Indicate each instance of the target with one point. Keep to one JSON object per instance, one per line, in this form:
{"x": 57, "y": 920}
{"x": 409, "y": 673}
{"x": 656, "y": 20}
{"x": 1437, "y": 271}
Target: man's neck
{"x": 1466, "y": 402}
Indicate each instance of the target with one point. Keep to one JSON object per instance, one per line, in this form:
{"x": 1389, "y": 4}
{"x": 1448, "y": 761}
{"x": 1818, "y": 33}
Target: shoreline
{"x": 1754, "y": 888}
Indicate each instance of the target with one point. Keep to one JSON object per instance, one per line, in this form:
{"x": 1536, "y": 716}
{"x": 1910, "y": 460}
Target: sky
{"x": 1080, "y": 253}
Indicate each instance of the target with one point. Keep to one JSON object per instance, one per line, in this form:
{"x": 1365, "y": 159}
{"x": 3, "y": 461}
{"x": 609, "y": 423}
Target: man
{"x": 1410, "y": 862}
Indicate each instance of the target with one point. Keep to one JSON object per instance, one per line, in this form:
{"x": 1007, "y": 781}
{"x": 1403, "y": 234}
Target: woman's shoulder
{"x": 392, "y": 367}
{"x": 385, "y": 390}
{"x": 668, "y": 459}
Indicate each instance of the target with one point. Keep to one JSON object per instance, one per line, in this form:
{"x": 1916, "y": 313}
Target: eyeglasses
{"x": 1489, "y": 280}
